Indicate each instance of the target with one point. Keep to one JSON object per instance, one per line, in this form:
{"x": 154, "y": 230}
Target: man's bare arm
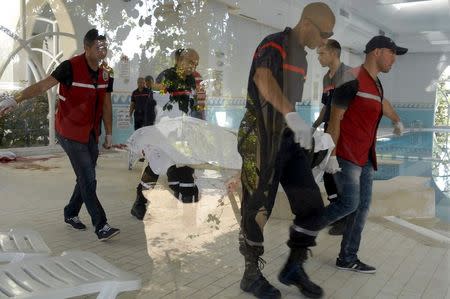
{"x": 107, "y": 114}
{"x": 389, "y": 111}
{"x": 319, "y": 119}
{"x": 334, "y": 125}
{"x": 270, "y": 90}
{"x": 36, "y": 89}
{"x": 132, "y": 108}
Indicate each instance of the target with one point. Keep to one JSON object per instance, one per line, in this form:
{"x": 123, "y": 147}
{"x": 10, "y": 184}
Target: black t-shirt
{"x": 63, "y": 74}
{"x": 286, "y": 59}
{"x": 182, "y": 90}
{"x": 144, "y": 106}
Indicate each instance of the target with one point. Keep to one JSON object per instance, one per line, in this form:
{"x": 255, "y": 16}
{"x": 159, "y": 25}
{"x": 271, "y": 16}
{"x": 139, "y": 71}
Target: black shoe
{"x": 356, "y": 266}
{"x": 190, "y": 196}
{"x": 337, "y": 228}
{"x": 294, "y": 274}
{"x": 107, "y": 232}
{"x": 139, "y": 208}
{"x": 139, "y": 211}
{"x": 75, "y": 223}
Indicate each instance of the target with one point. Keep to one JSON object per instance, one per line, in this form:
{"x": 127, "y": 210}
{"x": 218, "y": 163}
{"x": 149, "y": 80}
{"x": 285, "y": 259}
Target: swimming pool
{"x": 424, "y": 153}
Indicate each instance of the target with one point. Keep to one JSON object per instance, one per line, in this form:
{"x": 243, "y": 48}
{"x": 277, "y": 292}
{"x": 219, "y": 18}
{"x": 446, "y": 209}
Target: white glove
{"x": 398, "y": 128}
{"x": 7, "y": 104}
{"x": 108, "y": 142}
{"x": 332, "y": 165}
{"x": 302, "y": 131}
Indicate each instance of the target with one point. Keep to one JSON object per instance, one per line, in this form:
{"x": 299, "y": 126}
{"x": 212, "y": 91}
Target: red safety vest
{"x": 81, "y": 105}
{"x": 359, "y": 125}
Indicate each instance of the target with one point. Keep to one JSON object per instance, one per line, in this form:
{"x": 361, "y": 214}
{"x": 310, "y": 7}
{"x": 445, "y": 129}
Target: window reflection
{"x": 224, "y": 33}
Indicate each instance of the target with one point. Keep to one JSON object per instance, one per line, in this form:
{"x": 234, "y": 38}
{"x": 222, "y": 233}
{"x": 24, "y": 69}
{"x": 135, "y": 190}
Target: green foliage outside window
{"x": 27, "y": 125}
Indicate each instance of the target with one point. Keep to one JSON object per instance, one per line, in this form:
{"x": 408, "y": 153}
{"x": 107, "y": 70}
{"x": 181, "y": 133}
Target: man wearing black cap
{"x": 357, "y": 108}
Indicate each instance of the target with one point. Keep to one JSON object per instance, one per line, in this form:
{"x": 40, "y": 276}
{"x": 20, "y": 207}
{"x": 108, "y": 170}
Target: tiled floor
{"x": 190, "y": 250}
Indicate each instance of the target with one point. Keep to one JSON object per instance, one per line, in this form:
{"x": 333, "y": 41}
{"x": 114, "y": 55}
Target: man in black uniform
{"x": 329, "y": 56}
{"x": 179, "y": 82}
{"x": 274, "y": 143}
{"x": 142, "y": 105}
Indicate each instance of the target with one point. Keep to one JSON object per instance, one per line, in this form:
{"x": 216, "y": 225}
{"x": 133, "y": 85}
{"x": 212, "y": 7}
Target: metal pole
{"x": 23, "y": 16}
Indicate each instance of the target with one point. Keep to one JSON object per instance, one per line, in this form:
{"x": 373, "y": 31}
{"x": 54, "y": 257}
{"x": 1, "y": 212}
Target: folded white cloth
{"x": 322, "y": 141}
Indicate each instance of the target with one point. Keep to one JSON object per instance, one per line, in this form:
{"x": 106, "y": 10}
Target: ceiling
{"x": 421, "y": 26}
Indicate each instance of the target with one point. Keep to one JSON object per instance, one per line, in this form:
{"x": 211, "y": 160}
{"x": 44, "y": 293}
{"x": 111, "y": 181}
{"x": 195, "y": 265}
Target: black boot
{"x": 253, "y": 281}
{"x": 189, "y": 195}
{"x": 139, "y": 208}
{"x": 338, "y": 227}
{"x": 294, "y": 274}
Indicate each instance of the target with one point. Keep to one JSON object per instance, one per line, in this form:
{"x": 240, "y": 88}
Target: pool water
{"x": 419, "y": 153}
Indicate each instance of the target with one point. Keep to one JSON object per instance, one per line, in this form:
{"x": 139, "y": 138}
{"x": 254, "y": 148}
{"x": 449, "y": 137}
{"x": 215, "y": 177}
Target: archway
{"x": 49, "y": 38}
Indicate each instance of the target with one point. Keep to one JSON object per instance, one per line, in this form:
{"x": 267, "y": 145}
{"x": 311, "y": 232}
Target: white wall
{"x": 213, "y": 29}
{"x": 413, "y": 76}
{"x": 243, "y": 36}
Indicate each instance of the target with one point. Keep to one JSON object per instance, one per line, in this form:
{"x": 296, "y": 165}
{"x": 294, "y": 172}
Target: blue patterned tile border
{"x": 414, "y": 105}
{"x": 222, "y": 102}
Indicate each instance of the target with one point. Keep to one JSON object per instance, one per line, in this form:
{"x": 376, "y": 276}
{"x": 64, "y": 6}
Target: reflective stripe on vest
{"x": 369, "y": 96}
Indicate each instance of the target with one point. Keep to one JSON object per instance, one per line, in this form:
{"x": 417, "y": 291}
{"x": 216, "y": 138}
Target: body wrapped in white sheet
{"x": 189, "y": 141}
{"x": 185, "y": 141}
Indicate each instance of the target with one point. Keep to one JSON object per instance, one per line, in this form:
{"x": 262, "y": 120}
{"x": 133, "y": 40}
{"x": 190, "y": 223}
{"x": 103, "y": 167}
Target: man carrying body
{"x": 358, "y": 105}
{"x": 274, "y": 143}
{"x": 82, "y": 88}
{"x": 179, "y": 82}
{"x": 329, "y": 56}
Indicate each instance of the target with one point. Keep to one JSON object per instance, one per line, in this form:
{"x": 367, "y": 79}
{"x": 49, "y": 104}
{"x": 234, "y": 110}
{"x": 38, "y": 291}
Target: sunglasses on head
{"x": 323, "y": 34}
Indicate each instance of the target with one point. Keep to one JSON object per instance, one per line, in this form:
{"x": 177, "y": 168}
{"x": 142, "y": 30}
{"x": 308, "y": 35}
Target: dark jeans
{"x": 355, "y": 188}
{"x": 355, "y": 194}
{"x": 293, "y": 171}
{"x": 83, "y": 157}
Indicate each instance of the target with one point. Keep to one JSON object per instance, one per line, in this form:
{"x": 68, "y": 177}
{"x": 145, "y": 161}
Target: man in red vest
{"x": 357, "y": 107}
{"x": 83, "y": 85}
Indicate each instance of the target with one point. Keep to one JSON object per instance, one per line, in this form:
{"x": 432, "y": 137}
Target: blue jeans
{"x": 354, "y": 185}
{"x": 83, "y": 157}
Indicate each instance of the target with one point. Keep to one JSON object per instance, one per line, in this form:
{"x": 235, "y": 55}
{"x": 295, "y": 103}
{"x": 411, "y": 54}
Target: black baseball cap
{"x": 381, "y": 41}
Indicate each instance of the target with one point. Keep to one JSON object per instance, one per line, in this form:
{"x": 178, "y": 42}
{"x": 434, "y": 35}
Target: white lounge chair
{"x": 74, "y": 273}
{"x": 17, "y": 244}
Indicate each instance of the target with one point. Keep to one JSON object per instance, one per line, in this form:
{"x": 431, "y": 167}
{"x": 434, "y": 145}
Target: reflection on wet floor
{"x": 190, "y": 250}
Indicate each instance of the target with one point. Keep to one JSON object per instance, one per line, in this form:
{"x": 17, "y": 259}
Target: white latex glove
{"x": 108, "y": 142}
{"x": 398, "y": 128}
{"x": 332, "y": 165}
{"x": 7, "y": 104}
{"x": 303, "y": 132}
